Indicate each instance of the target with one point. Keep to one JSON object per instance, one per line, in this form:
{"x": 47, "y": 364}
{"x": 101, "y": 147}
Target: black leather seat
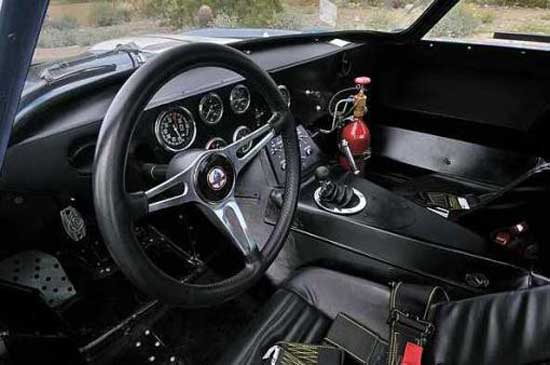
{"x": 303, "y": 309}
{"x": 505, "y": 328}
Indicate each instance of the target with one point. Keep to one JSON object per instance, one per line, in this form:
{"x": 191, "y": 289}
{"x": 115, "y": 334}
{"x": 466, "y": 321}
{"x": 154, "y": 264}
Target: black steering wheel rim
{"x": 114, "y": 207}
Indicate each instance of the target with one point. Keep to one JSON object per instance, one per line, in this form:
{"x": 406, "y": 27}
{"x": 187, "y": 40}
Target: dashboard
{"x": 208, "y": 120}
{"x": 202, "y": 108}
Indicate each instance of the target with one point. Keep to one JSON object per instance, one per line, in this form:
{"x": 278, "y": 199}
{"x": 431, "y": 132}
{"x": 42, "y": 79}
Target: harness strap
{"x": 410, "y": 328}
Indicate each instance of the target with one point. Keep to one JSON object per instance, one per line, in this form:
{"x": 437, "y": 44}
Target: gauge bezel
{"x": 214, "y": 140}
{"x": 159, "y": 137}
{"x": 231, "y": 97}
{"x": 236, "y": 132}
{"x": 201, "y": 108}
{"x": 284, "y": 87}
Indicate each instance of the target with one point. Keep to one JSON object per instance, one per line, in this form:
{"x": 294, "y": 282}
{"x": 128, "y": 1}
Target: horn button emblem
{"x": 215, "y": 178}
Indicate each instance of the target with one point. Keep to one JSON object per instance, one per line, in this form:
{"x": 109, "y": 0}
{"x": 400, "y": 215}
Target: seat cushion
{"x": 303, "y": 309}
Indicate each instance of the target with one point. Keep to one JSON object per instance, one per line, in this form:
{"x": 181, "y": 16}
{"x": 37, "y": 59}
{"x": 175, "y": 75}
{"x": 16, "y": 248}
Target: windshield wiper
{"x": 54, "y": 74}
{"x": 50, "y": 78}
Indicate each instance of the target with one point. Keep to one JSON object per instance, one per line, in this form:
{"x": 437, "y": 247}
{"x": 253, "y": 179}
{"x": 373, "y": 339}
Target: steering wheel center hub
{"x": 215, "y": 178}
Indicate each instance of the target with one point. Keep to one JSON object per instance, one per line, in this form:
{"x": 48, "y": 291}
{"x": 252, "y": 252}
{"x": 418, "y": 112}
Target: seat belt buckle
{"x": 424, "y": 328}
{"x": 412, "y": 354}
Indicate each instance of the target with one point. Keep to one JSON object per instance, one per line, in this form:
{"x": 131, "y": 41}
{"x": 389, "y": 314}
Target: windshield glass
{"x": 73, "y": 27}
{"x": 504, "y": 22}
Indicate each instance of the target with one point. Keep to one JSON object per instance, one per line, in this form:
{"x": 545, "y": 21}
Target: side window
{"x": 512, "y": 22}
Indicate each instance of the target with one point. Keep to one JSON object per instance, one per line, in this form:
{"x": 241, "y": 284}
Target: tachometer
{"x": 240, "y": 133}
{"x": 175, "y": 129}
{"x": 216, "y": 143}
{"x": 211, "y": 108}
{"x": 239, "y": 99}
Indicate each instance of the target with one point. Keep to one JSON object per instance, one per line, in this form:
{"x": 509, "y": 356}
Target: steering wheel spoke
{"x": 176, "y": 190}
{"x": 229, "y": 218}
{"x": 265, "y": 134}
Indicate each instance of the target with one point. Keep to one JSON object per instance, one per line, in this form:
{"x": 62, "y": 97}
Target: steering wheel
{"x": 205, "y": 177}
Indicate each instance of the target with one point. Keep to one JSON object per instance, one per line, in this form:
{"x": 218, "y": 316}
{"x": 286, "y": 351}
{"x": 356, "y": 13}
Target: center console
{"x": 345, "y": 218}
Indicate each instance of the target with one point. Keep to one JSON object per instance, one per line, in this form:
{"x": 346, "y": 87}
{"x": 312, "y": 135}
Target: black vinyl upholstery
{"x": 304, "y": 308}
{"x": 505, "y": 328}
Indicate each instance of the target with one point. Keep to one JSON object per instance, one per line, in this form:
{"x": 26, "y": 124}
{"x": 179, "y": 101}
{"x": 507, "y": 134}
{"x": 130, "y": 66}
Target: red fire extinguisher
{"x": 355, "y": 135}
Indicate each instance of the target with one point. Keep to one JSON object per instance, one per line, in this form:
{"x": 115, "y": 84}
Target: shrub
{"x": 518, "y": 3}
{"x": 104, "y": 14}
{"x": 487, "y": 17}
{"x": 51, "y": 37}
{"x": 65, "y": 22}
{"x": 181, "y": 13}
{"x": 459, "y": 22}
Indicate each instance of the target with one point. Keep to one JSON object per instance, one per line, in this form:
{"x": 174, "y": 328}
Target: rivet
{"x": 138, "y": 344}
{"x": 152, "y": 358}
{"x": 147, "y": 332}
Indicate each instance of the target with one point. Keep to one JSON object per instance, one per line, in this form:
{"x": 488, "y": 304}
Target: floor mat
{"x": 201, "y": 336}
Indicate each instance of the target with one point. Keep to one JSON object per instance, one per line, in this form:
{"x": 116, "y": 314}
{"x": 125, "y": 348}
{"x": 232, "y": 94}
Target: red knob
{"x": 362, "y": 80}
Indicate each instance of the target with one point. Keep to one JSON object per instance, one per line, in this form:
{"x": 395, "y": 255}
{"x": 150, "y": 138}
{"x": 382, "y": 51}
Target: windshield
{"x": 74, "y": 27}
{"x": 504, "y": 22}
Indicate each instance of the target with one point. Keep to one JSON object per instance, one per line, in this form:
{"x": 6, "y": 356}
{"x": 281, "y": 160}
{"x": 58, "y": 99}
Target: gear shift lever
{"x": 335, "y": 197}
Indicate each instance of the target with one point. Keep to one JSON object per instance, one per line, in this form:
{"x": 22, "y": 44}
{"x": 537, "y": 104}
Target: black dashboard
{"x": 56, "y": 134}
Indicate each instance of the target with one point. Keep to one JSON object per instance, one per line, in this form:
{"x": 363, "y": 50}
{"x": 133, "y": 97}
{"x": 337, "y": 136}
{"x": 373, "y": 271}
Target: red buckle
{"x": 412, "y": 355}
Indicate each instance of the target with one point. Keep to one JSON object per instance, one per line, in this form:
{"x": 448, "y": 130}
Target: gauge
{"x": 239, "y": 134}
{"x": 211, "y": 108}
{"x": 175, "y": 129}
{"x": 239, "y": 99}
{"x": 216, "y": 143}
{"x": 285, "y": 93}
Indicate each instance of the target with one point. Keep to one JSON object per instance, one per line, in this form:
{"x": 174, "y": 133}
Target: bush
{"x": 104, "y": 14}
{"x": 518, "y": 3}
{"x": 54, "y": 38}
{"x": 181, "y": 13}
{"x": 459, "y": 22}
{"x": 65, "y": 22}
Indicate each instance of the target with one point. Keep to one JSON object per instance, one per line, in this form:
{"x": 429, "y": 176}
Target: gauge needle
{"x": 176, "y": 130}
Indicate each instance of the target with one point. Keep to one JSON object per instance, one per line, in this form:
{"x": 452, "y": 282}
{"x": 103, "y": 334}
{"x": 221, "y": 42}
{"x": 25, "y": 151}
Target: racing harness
{"x": 351, "y": 342}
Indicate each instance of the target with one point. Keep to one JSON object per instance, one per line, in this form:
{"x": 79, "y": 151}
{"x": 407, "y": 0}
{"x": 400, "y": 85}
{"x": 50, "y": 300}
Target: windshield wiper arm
{"x": 136, "y": 55}
{"x": 50, "y": 78}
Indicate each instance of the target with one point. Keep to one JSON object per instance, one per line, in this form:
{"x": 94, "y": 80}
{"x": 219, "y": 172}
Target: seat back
{"x": 504, "y": 328}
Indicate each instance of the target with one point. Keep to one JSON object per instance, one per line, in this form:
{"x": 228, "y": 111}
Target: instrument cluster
{"x": 211, "y": 120}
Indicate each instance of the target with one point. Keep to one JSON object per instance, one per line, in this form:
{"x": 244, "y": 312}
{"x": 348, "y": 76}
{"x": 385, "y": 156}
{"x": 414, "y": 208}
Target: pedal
{"x": 40, "y": 271}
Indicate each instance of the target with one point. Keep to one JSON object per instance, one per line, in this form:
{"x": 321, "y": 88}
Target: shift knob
{"x": 322, "y": 173}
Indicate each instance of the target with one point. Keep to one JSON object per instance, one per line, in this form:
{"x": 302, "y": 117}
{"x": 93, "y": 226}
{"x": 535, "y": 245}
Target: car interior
{"x": 218, "y": 204}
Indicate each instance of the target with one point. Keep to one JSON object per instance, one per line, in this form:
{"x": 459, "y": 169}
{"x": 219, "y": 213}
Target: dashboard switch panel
{"x": 310, "y": 154}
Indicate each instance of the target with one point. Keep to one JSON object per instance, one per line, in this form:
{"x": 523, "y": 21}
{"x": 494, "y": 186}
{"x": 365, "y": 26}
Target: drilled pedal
{"x": 38, "y": 270}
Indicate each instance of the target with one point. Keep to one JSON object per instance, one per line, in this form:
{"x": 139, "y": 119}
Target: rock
{"x": 205, "y": 16}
